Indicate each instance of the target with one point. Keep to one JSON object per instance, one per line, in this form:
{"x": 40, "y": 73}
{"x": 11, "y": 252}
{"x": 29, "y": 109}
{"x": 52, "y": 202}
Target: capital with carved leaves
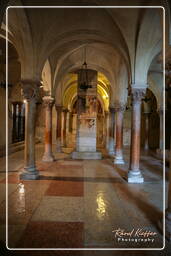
{"x": 48, "y": 101}
{"x": 119, "y": 107}
{"x": 137, "y": 94}
{"x": 30, "y": 90}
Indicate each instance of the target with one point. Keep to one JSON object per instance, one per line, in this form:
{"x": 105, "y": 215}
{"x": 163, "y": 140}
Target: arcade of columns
{"x": 114, "y": 138}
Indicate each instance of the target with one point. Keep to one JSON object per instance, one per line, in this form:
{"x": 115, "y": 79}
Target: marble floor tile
{"x": 22, "y": 202}
{"x": 11, "y": 189}
{"x": 67, "y": 209}
{"x": 65, "y": 188}
{"x": 90, "y": 197}
{"x": 60, "y": 235}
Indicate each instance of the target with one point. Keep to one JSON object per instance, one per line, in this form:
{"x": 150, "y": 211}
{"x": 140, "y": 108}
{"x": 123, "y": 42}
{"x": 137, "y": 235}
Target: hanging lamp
{"x": 84, "y": 81}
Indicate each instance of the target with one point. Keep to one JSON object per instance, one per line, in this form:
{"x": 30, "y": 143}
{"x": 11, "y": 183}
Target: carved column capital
{"x": 106, "y": 113}
{"x": 137, "y": 94}
{"x": 119, "y": 107}
{"x": 48, "y": 101}
{"x": 160, "y": 110}
{"x": 112, "y": 110}
{"x": 30, "y": 90}
{"x": 58, "y": 108}
{"x": 65, "y": 110}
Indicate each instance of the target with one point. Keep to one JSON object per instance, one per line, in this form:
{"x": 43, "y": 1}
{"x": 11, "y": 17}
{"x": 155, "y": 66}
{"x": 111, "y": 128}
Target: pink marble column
{"x": 134, "y": 174}
{"x": 30, "y": 91}
{"x": 48, "y": 104}
{"x": 111, "y": 130}
{"x": 64, "y": 130}
{"x": 118, "y": 158}
{"x": 146, "y": 141}
{"x": 107, "y": 130}
{"x": 58, "y": 127}
{"x": 160, "y": 150}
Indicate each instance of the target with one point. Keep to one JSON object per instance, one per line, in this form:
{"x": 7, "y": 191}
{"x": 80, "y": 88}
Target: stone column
{"x": 48, "y": 104}
{"x": 65, "y": 111}
{"x": 30, "y": 91}
{"x": 160, "y": 150}
{"x": 74, "y": 124}
{"x": 111, "y": 130}
{"x": 69, "y": 130}
{"x": 134, "y": 174}
{"x": 118, "y": 158}
{"x": 14, "y": 129}
{"x": 70, "y": 121}
{"x": 104, "y": 131}
{"x": 58, "y": 127}
{"x": 146, "y": 141}
{"x": 22, "y": 127}
{"x": 19, "y": 121}
{"x": 107, "y": 130}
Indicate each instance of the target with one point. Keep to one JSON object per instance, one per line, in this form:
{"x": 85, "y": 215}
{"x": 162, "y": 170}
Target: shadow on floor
{"x": 83, "y": 179}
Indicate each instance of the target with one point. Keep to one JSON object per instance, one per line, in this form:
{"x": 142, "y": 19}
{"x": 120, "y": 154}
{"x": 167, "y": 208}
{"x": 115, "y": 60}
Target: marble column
{"x": 19, "y": 121}
{"x": 134, "y": 174}
{"x": 104, "y": 130}
{"x": 70, "y": 122}
{"x": 74, "y": 130}
{"x": 74, "y": 124}
{"x": 64, "y": 127}
{"x": 22, "y": 126}
{"x": 48, "y": 104}
{"x": 118, "y": 158}
{"x": 14, "y": 130}
{"x": 30, "y": 91}
{"x": 107, "y": 130}
{"x": 111, "y": 130}
{"x": 160, "y": 150}
{"x": 58, "y": 128}
{"x": 146, "y": 136}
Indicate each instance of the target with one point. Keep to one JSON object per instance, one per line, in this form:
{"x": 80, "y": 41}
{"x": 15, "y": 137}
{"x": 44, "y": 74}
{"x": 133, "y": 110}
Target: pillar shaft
{"x": 146, "y": 140}
{"x": 161, "y": 129}
{"x": 107, "y": 130}
{"x": 111, "y": 130}
{"x": 31, "y": 94}
{"x": 14, "y": 130}
{"x": 134, "y": 175}
{"x": 64, "y": 128}
{"x": 119, "y": 135}
{"x": 48, "y": 104}
{"x": 58, "y": 127}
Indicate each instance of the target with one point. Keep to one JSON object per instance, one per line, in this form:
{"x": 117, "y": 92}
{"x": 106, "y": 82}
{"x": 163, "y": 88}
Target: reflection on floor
{"x": 77, "y": 204}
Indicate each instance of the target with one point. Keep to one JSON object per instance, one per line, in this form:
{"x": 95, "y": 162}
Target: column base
{"x": 29, "y": 174}
{"x": 118, "y": 160}
{"x": 48, "y": 158}
{"x": 135, "y": 177}
{"x": 112, "y": 153}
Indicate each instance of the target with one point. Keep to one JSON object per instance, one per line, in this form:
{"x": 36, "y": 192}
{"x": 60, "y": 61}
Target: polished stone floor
{"x": 78, "y": 203}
